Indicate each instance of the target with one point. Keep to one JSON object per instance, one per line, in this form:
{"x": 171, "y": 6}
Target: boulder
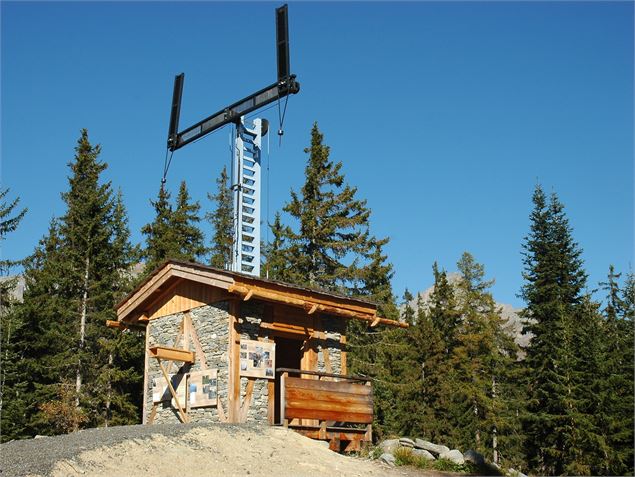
{"x": 389, "y": 445}
{"x": 514, "y": 473}
{"x": 404, "y": 441}
{"x": 430, "y": 447}
{"x": 474, "y": 457}
{"x": 454, "y": 455}
{"x": 422, "y": 453}
{"x": 388, "y": 459}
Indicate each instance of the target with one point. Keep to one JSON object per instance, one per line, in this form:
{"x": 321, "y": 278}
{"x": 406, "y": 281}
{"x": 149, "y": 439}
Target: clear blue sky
{"x": 445, "y": 115}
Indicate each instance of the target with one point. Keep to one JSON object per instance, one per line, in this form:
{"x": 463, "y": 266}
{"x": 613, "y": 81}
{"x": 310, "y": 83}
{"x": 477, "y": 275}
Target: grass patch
{"x": 405, "y": 456}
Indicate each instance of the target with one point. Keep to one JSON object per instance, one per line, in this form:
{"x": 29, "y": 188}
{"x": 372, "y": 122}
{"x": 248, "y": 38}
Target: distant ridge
{"x": 511, "y": 315}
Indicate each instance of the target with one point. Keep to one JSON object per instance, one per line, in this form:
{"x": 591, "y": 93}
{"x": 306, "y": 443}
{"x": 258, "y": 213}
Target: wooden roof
{"x": 135, "y": 308}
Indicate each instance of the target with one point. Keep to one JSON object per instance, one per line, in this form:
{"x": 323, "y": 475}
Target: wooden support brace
{"x": 249, "y": 391}
{"x": 182, "y": 414}
{"x": 248, "y": 295}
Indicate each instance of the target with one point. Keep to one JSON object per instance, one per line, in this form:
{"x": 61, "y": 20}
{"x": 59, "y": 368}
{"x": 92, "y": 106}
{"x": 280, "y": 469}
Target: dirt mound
{"x": 191, "y": 450}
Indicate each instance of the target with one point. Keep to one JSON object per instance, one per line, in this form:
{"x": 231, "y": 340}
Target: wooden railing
{"x": 328, "y": 410}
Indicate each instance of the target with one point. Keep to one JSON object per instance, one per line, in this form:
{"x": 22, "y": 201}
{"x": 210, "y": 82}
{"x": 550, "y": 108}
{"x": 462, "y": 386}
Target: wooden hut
{"x": 227, "y": 347}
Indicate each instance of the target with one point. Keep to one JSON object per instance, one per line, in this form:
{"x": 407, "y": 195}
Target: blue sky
{"x": 445, "y": 115}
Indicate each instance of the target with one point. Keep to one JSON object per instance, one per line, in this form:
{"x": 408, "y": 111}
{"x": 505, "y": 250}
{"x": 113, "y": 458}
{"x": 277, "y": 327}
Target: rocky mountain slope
{"x": 510, "y": 314}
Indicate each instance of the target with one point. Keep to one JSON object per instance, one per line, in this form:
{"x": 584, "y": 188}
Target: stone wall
{"x": 334, "y": 328}
{"x": 211, "y": 325}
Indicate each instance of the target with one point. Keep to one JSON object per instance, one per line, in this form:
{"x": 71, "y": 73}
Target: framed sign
{"x": 161, "y": 392}
{"x": 203, "y": 388}
{"x": 257, "y": 359}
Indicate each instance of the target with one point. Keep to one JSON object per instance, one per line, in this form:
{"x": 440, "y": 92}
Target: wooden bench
{"x": 328, "y": 410}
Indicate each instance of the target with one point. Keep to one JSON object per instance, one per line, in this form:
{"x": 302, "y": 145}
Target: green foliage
{"x": 10, "y": 324}
{"x": 277, "y": 261}
{"x": 223, "y": 223}
{"x": 563, "y": 362}
{"x": 79, "y": 270}
{"x": 174, "y": 233}
{"x": 333, "y": 225}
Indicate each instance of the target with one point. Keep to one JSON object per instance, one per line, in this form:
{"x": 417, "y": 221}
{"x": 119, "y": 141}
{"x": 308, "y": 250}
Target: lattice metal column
{"x": 246, "y": 189}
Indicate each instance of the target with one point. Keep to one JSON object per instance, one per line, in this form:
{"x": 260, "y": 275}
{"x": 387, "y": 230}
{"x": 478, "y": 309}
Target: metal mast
{"x": 247, "y": 150}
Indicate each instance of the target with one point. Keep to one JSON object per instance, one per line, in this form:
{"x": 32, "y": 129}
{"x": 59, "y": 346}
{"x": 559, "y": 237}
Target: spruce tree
{"x": 74, "y": 278}
{"x": 479, "y": 362}
{"x": 174, "y": 232}
{"x": 222, "y": 220}
{"x": 333, "y": 223}
{"x": 561, "y": 436}
{"x": 161, "y": 243}
{"x": 615, "y": 397}
{"x": 185, "y": 220}
{"x": 10, "y": 398}
{"x": 277, "y": 263}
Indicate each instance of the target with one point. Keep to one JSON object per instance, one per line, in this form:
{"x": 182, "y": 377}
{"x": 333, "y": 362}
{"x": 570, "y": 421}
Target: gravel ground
{"x": 38, "y": 456}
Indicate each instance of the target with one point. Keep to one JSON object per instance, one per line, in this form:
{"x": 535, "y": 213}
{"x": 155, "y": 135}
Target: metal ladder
{"x": 246, "y": 190}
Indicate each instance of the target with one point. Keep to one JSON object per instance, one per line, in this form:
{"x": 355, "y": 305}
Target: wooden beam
{"x": 146, "y": 371}
{"x": 172, "y": 354}
{"x": 182, "y": 413}
{"x": 375, "y": 322}
{"x": 249, "y": 392}
{"x": 233, "y": 389}
{"x": 313, "y": 309}
{"x": 197, "y": 343}
{"x": 248, "y": 295}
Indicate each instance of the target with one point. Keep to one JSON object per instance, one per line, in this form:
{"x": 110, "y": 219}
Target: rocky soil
{"x": 192, "y": 450}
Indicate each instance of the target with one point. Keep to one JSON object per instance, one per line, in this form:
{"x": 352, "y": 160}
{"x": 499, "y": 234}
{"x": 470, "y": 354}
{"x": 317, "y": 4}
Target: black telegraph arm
{"x": 285, "y": 86}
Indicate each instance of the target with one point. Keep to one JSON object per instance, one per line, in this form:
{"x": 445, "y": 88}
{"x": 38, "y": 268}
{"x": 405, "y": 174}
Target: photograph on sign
{"x": 203, "y": 387}
{"x": 257, "y": 359}
{"x": 161, "y": 392}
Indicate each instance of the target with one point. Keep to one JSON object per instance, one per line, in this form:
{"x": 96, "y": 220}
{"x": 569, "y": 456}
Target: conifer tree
{"x": 184, "y": 223}
{"x": 74, "y": 278}
{"x": 10, "y": 219}
{"x": 561, "y": 436}
{"x": 161, "y": 243}
{"x": 222, "y": 221}
{"x": 615, "y": 396}
{"x": 480, "y": 360}
{"x": 277, "y": 263}
{"x": 174, "y": 232}
{"x": 333, "y": 223}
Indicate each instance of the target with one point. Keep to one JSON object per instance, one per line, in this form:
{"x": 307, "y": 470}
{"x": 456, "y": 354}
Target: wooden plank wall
{"x": 183, "y": 296}
{"x": 328, "y": 400}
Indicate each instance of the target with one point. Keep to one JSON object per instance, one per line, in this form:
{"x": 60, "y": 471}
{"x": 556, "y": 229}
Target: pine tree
{"x": 561, "y": 436}
{"x": 161, "y": 243}
{"x": 277, "y": 262}
{"x": 333, "y": 224}
{"x": 479, "y": 361}
{"x": 74, "y": 278}
{"x": 184, "y": 224}
{"x": 615, "y": 394}
{"x": 10, "y": 408}
{"x": 222, "y": 221}
{"x": 174, "y": 232}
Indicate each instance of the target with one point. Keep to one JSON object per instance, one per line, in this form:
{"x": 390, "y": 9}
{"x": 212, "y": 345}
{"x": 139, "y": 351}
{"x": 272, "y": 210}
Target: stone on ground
{"x": 430, "y": 447}
{"x": 514, "y": 473}
{"x": 474, "y": 457}
{"x": 404, "y": 441}
{"x": 389, "y": 445}
{"x": 388, "y": 459}
{"x": 423, "y": 453}
{"x": 454, "y": 455}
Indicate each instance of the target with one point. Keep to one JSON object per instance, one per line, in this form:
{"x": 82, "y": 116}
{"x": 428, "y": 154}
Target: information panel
{"x": 257, "y": 359}
{"x": 203, "y": 387}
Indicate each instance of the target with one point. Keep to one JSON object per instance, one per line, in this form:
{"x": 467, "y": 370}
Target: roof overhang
{"x": 132, "y": 310}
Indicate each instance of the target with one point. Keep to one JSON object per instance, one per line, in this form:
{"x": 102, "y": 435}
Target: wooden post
{"x": 233, "y": 388}
{"x": 283, "y": 383}
{"x": 146, "y": 370}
